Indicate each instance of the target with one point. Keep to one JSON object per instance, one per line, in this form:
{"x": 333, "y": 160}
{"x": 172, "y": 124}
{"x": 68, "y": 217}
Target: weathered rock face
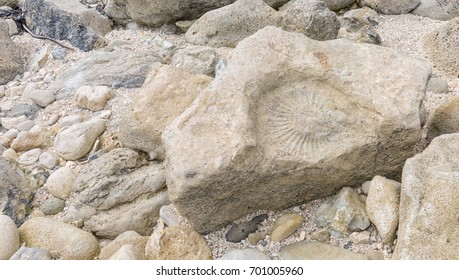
{"x": 105, "y": 69}
{"x": 311, "y": 18}
{"x": 161, "y": 100}
{"x": 437, "y": 9}
{"x": 67, "y": 20}
{"x": 390, "y": 7}
{"x": 112, "y": 198}
{"x": 343, "y": 214}
{"x": 15, "y": 198}
{"x": 177, "y": 243}
{"x": 229, "y": 25}
{"x": 158, "y": 12}
{"x": 337, "y": 4}
{"x": 357, "y": 25}
{"x": 442, "y": 47}
{"x": 197, "y": 59}
{"x": 428, "y": 226}
{"x": 295, "y": 124}
{"x": 69, "y": 242}
{"x": 10, "y": 3}
{"x": 444, "y": 119}
{"x": 11, "y": 62}
{"x": 382, "y": 206}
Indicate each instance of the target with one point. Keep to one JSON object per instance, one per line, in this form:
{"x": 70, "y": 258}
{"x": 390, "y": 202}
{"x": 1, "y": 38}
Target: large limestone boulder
{"x": 118, "y": 192}
{"x": 9, "y": 237}
{"x": 159, "y": 102}
{"x": 67, "y": 241}
{"x": 11, "y": 61}
{"x": 391, "y": 7}
{"x": 71, "y": 20}
{"x": 442, "y": 47}
{"x": 158, "y": 12}
{"x": 437, "y": 9}
{"x": 428, "y": 226}
{"x": 226, "y": 26}
{"x": 292, "y": 119}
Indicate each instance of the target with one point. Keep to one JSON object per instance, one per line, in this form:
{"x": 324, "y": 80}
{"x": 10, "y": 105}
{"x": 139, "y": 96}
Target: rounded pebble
{"x": 9, "y": 237}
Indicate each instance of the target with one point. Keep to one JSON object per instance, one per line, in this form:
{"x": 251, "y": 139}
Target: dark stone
{"x": 15, "y": 198}
{"x": 67, "y": 20}
{"x": 113, "y": 69}
{"x": 239, "y": 232}
{"x": 29, "y": 110}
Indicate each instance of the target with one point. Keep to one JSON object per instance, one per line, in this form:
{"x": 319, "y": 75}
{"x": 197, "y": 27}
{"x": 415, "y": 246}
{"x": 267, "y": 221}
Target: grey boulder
{"x": 119, "y": 192}
{"x": 82, "y": 27}
{"x": 297, "y": 123}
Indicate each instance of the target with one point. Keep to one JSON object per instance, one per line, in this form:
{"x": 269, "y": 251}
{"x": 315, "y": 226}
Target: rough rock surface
{"x": 11, "y": 61}
{"x": 15, "y": 198}
{"x": 442, "y": 47}
{"x": 226, "y": 26}
{"x": 105, "y": 69}
{"x": 383, "y": 202}
{"x": 305, "y": 250}
{"x": 311, "y": 18}
{"x": 264, "y": 135}
{"x": 76, "y": 141}
{"x": 343, "y": 214}
{"x": 428, "y": 226}
{"x": 67, "y": 20}
{"x": 177, "y": 243}
{"x": 197, "y": 59}
{"x": 159, "y": 12}
{"x": 437, "y": 9}
{"x": 159, "y": 102}
{"x": 337, "y": 4}
{"x": 10, "y": 3}
{"x": 358, "y": 25}
{"x": 391, "y": 7}
{"x": 119, "y": 192}
{"x": 444, "y": 120}
{"x": 9, "y": 237}
{"x": 69, "y": 242}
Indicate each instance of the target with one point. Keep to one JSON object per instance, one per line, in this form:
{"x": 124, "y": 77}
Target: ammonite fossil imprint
{"x": 302, "y": 120}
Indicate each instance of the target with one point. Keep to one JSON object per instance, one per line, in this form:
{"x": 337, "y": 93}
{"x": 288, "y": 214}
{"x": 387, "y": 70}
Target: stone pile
{"x": 147, "y": 148}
